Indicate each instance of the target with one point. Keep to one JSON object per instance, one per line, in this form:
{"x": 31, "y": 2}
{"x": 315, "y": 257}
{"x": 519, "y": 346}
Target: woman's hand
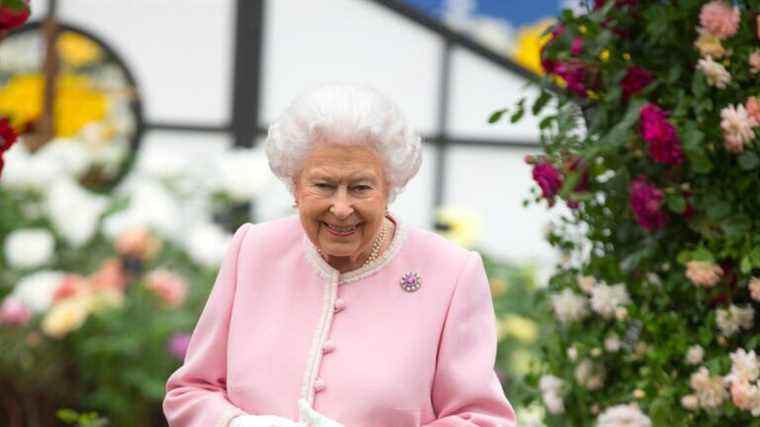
{"x": 262, "y": 421}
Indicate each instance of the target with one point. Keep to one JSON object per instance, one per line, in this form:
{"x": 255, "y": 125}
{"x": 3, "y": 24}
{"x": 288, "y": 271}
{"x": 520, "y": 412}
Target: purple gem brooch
{"x": 411, "y": 281}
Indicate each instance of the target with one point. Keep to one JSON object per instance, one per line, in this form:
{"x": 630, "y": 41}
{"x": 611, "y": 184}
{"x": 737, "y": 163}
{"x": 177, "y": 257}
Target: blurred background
{"x": 143, "y": 123}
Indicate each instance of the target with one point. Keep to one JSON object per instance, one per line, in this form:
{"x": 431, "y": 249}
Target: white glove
{"x": 262, "y": 421}
{"x": 314, "y": 418}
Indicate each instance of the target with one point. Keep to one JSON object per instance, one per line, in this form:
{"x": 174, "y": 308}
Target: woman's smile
{"x": 344, "y": 231}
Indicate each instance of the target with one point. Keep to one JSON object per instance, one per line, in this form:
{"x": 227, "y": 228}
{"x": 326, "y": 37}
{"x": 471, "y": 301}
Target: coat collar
{"x": 327, "y": 272}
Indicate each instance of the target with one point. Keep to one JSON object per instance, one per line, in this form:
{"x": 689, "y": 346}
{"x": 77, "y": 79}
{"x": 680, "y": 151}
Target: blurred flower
{"x": 746, "y": 396}
{"x": 690, "y": 402}
{"x": 636, "y": 78}
{"x": 754, "y": 288}
{"x": 586, "y": 283}
{"x": 661, "y": 137}
{"x": 460, "y": 225}
{"x": 548, "y": 178}
{"x": 716, "y": 74}
{"x": 523, "y": 329}
{"x": 708, "y": 44}
{"x": 694, "y": 355}
{"x": 605, "y": 299}
{"x": 77, "y": 50}
{"x": 551, "y": 392}
{"x": 719, "y": 18}
{"x": 28, "y": 248}
{"x": 598, "y": 4}
{"x": 206, "y": 244}
{"x": 575, "y": 74}
{"x": 8, "y": 135}
{"x": 78, "y": 103}
{"x": 109, "y": 276}
{"x": 705, "y": 274}
{"x": 576, "y": 48}
{"x": 106, "y": 299}
{"x": 69, "y": 155}
{"x": 65, "y": 316}
{"x": 66, "y": 197}
{"x": 529, "y": 44}
{"x": 168, "y": 286}
{"x": 138, "y": 242}
{"x": 589, "y": 375}
{"x": 11, "y": 18}
{"x": 569, "y": 306}
{"x": 243, "y": 173}
{"x": 623, "y": 416}
{"x": 14, "y": 312}
{"x": 754, "y": 62}
{"x": 709, "y": 389}
{"x": 498, "y": 287}
{"x": 25, "y": 171}
{"x": 572, "y": 353}
{"x": 612, "y": 343}
{"x": 753, "y": 110}
{"x": 646, "y": 202}
{"x": 71, "y": 286}
{"x": 36, "y": 290}
{"x": 177, "y": 345}
{"x": 736, "y": 125}
{"x": 150, "y": 205}
{"x": 734, "y": 318}
{"x": 621, "y": 313}
{"x": 745, "y": 366}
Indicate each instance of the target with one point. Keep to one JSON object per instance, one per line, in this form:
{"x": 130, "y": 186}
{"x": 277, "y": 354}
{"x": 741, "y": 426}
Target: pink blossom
{"x": 646, "y": 202}
{"x": 576, "y": 48}
{"x": 636, "y": 79}
{"x": 168, "y": 286}
{"x": 705, "y": 274}
{"x": 753, "y": 110}
{"x": 754, "y": 61}
{"x": 720, "y": 19}
{"x": 574, "y": 73}
{"x": 548, "y": 178}
{"x": 14, "y": 312}
{"x": 660, "y": 135}
{"x": 177, "y": 345}
{"x": 754, "y": 288}
{"x": 110, "y": 275}
{"x": 737, "y": 128}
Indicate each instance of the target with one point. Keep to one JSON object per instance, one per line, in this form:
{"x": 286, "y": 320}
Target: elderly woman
{"x": 343, "y": 315}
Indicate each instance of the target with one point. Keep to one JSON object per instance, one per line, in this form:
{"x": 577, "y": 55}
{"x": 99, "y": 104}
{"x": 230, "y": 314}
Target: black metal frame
{"x": 244, "y": 124}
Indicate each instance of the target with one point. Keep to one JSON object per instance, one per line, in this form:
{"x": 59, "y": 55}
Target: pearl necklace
{"x": 376, "y": 245}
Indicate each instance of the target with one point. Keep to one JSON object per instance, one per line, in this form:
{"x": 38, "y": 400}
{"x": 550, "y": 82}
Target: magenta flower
{"x": 576, "y": 48}
{"x": 646, "y": 202}
{"x": 548, "y": 178}
{"x": 636, "y": 79}
{"x": 177, "y": 345}
{"x": 660, "y": 136}
{"x": 574, "y": 74}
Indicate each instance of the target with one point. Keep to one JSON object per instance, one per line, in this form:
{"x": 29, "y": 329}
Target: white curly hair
{"x": 346, "y": 114}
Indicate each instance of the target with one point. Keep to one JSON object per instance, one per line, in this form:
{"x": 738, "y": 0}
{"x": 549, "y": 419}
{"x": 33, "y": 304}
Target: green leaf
{"x": 718, "y": 210}
{"x": 748, "y": 161}
{"x": 746, "y": 265}
{"x": 737, "y": 226}
{"x": 754, "y": 257}
{"x": 699, "y": 85}
{"x": 676, "y": 203}
{"x": 16, "y": 5}
{"x": 702, "y": 254}
{"x": 496, "y": 116}
{"x": 518, "y": 114}
{"x": 541, "y": 102}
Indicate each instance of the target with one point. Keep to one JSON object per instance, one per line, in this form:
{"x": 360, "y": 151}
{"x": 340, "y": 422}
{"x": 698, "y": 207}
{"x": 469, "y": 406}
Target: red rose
{"x": 646, "y": 202}
{"x": 8, "y": 136}
{"x": 548, "y": 178}
{"x": 10, "y": 18}
{"x": 636, "y": 79}
{"x": 660, "y": 136}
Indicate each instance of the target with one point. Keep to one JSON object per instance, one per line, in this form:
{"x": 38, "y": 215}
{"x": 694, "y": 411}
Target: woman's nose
{"x": 342, "y": 206}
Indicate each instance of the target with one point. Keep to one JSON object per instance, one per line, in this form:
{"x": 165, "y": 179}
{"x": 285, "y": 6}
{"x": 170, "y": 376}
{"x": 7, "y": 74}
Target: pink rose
{"x": 169, "y": 287}
{"x": 754, "y": 61}
{"x": 548, "y": 178}
{"x": 660, "y": 135}
{"x": 636, "y": 79}
{"x": 72, "y": 286}
{"x": 720, "y": 19}
{"x": 14, "y": 312}
{"x": 701, "y": 273}
{"x": 646, "y": 202}
{"x": 576, "y": 48}
{"x": 110, "y": 275}
{"x": 753, "y": 110}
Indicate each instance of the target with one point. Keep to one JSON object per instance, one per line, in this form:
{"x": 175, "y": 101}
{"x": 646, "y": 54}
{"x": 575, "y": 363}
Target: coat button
{"x": 319, "y": 385}
{"x": 339, "y": 305}
{"x": 328, "y": 347}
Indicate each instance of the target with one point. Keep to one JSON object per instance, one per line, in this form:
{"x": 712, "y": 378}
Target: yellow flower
{"x": 77, "y": 102}
{"x": 498, "y": 287}
{"x": 709, "y": 45}
{"x": 77, "y": 50}
{"x": 627, "y": 56}
{"x": 459, "y": 225}
{"x": 605, "y": 55}
{"x": 521, "y": 328}
{"x": 530, "y": 40}
{"x": 66, "y": 316}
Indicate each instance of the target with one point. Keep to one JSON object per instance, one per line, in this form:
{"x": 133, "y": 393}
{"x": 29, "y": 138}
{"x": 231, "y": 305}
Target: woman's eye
{"x": 322, "y": 185}
{"x": 362, "y": 188}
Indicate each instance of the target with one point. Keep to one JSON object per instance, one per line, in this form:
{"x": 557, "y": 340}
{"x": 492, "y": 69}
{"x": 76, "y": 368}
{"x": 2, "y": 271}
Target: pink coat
{"x": 281, "y": 325}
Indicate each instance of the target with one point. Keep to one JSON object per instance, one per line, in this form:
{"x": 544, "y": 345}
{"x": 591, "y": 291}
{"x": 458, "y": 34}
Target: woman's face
{"x": 342, "y": 196}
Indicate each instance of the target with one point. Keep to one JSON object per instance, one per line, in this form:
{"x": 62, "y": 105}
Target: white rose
{"x": 694, "y": 355}
{"x": 29, "y": 248}
{"x": 74, "y": 212}
{"x": 36, "y": 290}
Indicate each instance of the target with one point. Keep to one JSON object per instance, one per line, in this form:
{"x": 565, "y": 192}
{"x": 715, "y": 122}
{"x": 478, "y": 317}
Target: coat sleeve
{"x": 466, "y": 390}
{"x": 196, "y": 394}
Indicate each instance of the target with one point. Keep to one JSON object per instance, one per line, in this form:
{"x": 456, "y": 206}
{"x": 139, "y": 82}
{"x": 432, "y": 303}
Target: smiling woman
{"x": 397, "y": 320}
